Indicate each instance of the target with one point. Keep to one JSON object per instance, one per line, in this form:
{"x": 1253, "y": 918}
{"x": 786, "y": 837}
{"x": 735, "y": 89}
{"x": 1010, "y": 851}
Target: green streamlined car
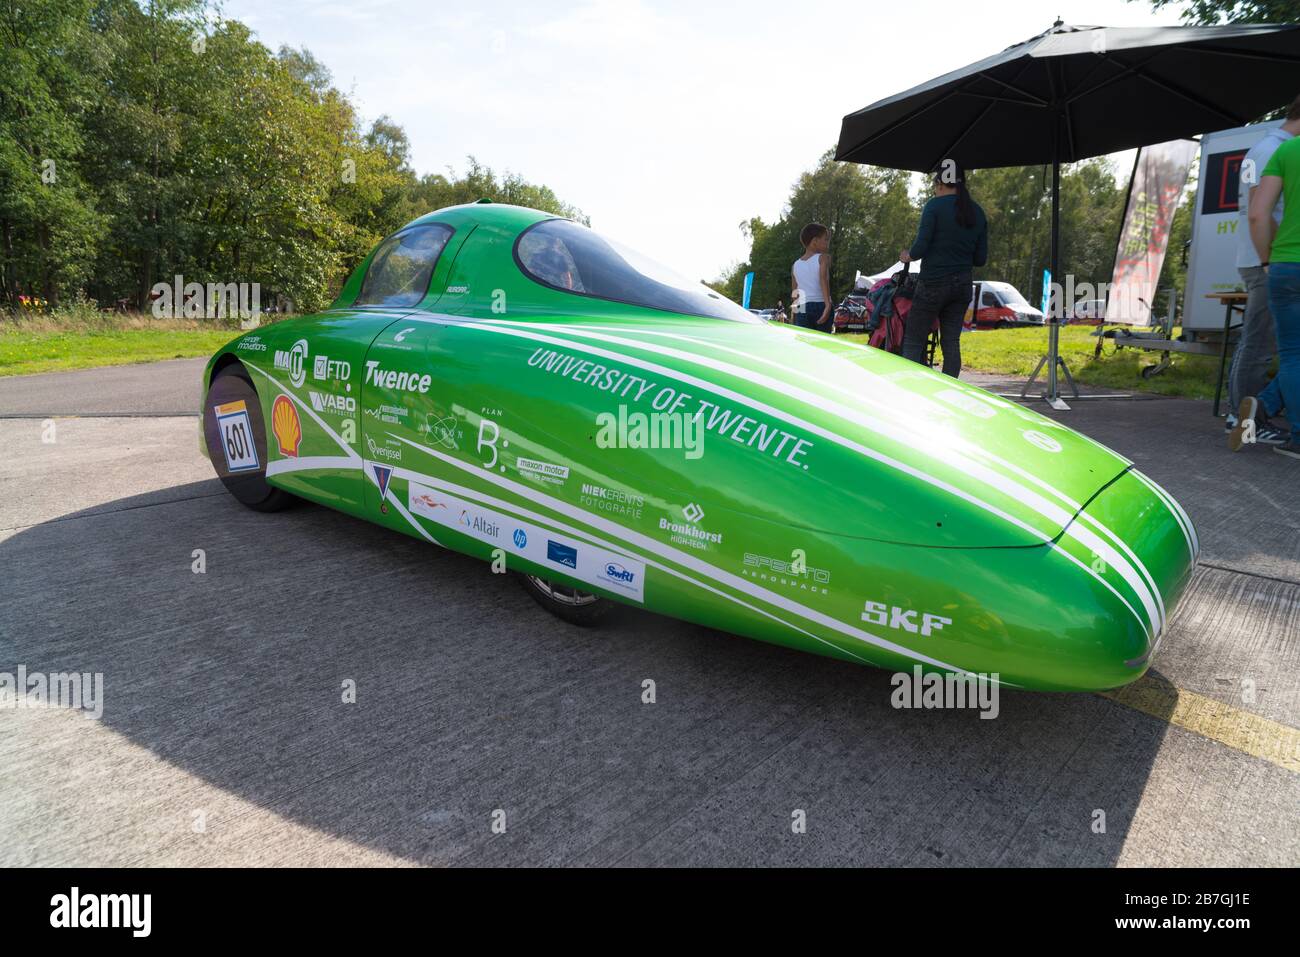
{"x": 513, "y": 386}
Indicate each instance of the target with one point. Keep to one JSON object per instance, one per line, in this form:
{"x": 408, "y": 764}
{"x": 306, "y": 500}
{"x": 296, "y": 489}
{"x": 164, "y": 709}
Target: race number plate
{"x": 237, "y": 437}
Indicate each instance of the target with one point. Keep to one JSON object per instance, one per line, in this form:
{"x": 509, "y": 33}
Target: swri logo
{"x": 617, "y": 573}
{"x": 521, "y": 538}
{"x": 562, "y": 554}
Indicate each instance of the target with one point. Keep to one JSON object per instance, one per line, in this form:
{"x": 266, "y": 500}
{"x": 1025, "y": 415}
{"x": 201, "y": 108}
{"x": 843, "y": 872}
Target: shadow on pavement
{"x": 469, "y": 698}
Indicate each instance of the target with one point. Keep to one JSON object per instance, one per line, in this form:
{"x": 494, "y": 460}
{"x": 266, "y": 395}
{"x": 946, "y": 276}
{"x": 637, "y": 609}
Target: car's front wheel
{"x": 236, "y": 440}
{"x": 574, "y": 606}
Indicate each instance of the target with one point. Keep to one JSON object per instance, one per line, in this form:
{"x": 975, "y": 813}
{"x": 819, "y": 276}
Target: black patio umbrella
{"x": 1074, "y": 92}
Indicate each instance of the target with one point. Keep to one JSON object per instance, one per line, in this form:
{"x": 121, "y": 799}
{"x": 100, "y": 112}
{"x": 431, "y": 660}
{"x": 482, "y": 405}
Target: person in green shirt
{"x": 1279, "y": 252}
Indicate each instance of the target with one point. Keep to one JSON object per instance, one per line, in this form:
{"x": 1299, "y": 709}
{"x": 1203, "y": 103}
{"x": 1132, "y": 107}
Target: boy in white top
{"x": 810, "y": 279}
{"x": 1257, "y": 346}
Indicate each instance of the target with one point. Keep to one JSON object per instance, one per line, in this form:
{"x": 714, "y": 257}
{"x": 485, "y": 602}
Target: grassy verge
{"x": 1015, "y": 352}
{"x": 81, "y": 338}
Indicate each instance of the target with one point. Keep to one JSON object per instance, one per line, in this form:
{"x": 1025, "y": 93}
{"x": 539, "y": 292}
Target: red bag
{"x": 888, "y": 335}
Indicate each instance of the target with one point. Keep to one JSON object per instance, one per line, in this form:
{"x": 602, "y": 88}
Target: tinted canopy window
{"x": 399, "y": 273}
{"x": 572, "y": 258}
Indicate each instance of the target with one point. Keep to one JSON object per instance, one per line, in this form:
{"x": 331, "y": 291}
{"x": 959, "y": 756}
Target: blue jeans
{"x": 807, "y": 317}
{"x": 1284, "y": 301}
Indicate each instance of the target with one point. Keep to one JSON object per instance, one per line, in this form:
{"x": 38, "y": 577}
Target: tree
{"x": 49, "y": 224}
{"x": 873, "y": 215}
{"x": 867, "y": 209}
{"x": 1212, "y": 12}
{"x": 140, "y": 139}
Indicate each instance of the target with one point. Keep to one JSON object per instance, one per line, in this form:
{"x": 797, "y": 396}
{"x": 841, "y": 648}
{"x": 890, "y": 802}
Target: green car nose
{"x": 1142, "y": 548}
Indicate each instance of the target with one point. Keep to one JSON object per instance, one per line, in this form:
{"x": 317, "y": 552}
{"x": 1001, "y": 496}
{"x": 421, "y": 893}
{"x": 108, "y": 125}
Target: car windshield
{"x": 1011, "y": 296}
{"x": 400, "y": 270}
{"x": 572, "y": 258}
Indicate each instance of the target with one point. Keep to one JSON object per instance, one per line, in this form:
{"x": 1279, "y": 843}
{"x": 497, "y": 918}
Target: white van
{"x": 1001, "y": 305}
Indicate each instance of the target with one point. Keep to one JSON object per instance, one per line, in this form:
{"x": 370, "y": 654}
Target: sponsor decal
{"x": 294, "y": 362}
{"x": 1044, "y": 442}
{"x": 611, "y": 500}
{"x": 790, "y": 573}
{"x": 393, "y": 414}
{"x": 473, "y": 518}
{"x": 903, "y": 619}
{"x": 236, "y": 437}
{"x": 251, "y": 344}
{"x": 333, "y": 404}
{"x": 765, "y": 437}
{"x": 545, "y": 471}
{"x": 324, "y": 368}
{"x": 286, "y": 425}
{"x": 383, "y": 451}
{"x": 619, "y": 573}
{"x": 401, "y": 336}
{"x": 561, "y": 554}
{"x": 383, "y": 475}
{"x": 457, "y": 290}
{"x": 443, "y": 430}
{"x": 395, "y": 380}
{"x": 591, "y": 564}
{"x": 426, "y": 501}
{"x": 967, "y": 403}
{"x": 689, "y": 533}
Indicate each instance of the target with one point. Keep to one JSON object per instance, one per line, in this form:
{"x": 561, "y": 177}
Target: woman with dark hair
{"x": 952, "y": 240}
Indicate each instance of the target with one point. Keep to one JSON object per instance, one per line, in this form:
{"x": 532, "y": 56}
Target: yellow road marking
{"x": 1249, "y": 733}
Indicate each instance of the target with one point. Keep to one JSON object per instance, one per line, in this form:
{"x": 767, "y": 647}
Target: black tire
{"x": 233, "y": 385}
{"x": 576, "y": 607}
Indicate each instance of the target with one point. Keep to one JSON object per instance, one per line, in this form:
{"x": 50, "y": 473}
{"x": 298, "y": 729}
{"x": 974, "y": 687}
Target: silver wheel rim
{"x": 562, "y": 593}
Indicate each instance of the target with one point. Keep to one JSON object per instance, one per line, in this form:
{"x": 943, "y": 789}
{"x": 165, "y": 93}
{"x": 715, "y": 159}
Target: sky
{"x": 668, "y": 122}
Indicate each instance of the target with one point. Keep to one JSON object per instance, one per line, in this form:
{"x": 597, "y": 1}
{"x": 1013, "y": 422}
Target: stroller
{"x": 888, "y": 303}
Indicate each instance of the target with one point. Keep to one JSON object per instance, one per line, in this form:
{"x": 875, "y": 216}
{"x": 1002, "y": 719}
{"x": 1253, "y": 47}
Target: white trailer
{"x": 1216, "y": 226}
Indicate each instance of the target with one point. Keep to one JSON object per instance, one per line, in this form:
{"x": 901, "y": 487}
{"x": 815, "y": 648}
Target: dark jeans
{"x": 944, "y": 298}
{"x": 807, "y": 316}
{"x": 1284, "y": 300}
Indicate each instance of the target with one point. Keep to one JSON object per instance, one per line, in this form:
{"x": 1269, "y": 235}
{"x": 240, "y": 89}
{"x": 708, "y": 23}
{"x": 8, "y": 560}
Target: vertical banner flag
{"x": 1047, "y": 291}
{"x": 1159, "y": 177}
{"x": 749, "y": 288}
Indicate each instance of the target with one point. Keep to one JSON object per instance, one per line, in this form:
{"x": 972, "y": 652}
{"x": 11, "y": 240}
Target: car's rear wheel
{"x": 236, "y": 440}
{"x": 574, "y": 606}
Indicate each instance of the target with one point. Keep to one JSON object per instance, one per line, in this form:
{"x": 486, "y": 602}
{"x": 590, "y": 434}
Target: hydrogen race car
{"x": 513, "y": 386}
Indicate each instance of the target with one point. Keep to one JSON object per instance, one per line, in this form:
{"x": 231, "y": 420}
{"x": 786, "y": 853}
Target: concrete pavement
{"x": 225, "y": 737}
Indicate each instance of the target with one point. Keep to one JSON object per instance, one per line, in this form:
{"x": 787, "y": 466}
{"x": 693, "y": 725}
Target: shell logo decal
{"x": 285, "y": 425}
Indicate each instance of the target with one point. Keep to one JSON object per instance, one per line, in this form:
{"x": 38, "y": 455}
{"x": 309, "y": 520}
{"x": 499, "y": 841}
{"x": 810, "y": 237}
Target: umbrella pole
{"x": 1054, "y": 330}
{"x": 1053, "y": 359}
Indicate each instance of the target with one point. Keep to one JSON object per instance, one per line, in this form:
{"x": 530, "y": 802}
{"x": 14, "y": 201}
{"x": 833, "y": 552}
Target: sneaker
{"x": 1291, "y": 448}
{"x": 1271, "y": 435}
{"x": 1243, "y": 433}
{"x": 1229, "y": 423}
